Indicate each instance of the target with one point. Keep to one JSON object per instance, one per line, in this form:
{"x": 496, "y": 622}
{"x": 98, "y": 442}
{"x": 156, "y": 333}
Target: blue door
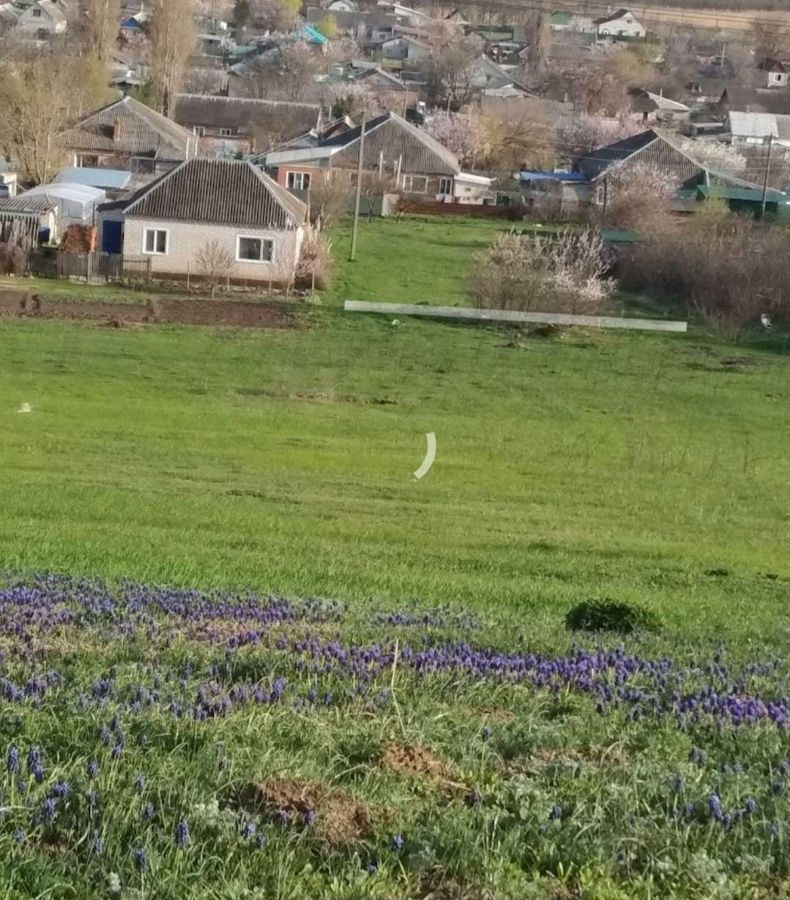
{"x": 112, "y": 237}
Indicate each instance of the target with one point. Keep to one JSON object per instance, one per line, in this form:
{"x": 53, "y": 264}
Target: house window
{"x": 298, "y": 181}
{"x": 254, "y": 249}
{"x": 600, "y": 194}
{"x": 445, "y": 186}
{"x": 199, "y": 130}
{"x": 36, "y": 13}
{"x": 415, "y": 184}
{"x": 155, "y": 241}
{"x": 225, "y": 132}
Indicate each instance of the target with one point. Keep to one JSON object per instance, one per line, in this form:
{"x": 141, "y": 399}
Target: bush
{"x": 315, "y": 260}
{"x": 13, "y": 260}
{"x": 607, "y": 615}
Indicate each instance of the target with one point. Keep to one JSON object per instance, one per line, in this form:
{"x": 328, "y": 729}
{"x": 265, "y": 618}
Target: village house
{"x": 652, "y": 108}
{"x": 242, "y": 124}
{"x": 230, "y": 203}
{"x": 776, "y": 72}
{"x": 42, "y": 20}
{"x": 395, "y": 151}
{"x": 126, "y": 134}
{"x": 618, "y": 25}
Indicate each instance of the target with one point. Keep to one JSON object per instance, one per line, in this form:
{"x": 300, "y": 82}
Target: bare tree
{"x": 769, "y": 38}
{"x": 315, "y": 259}
{"x": 39, "y": 95}
{"x": 101, "y": 20}
{"x": 285, "y": 71}
{"x": 273, "y": 15}
{"x": 583, "y": 133}
{"x": 604, "y": 90}
{"x": 450, "y": 70}
{"x": 173, "y": 40}
{"x": 330, "y": 197}
{"x": 216, "y": 264}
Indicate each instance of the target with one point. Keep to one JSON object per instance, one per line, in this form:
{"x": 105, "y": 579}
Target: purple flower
{"x": 248, "y": 830}
{"x": 750, "y": 806}
{"x": 140, "y": 859}
{"x": 12, "y": 760}
{"x": 60, "y": 789}
{"x": 309, "y": 817}
{"x": 47, "y": 810}
{"x": 714, "y": 808}
{"x": 182, "y": 834}
{"x": 260, "y": 841}
{"x": 21, "y": 788}
{"x": 396, "y": 843}
{"x": 92, "y": 769}
{"x": 117, "y": 751}
{"x": 139, "y": 782}
{"x": 485, "y": 733}
{"x": 97, "y": 846}
{"x": 19, "y": 836}
{"x": 555, "y": 813}
{"x": 148, "y": 812}
{"x": 372, "y": 868}
{"x": 37, "y": 771}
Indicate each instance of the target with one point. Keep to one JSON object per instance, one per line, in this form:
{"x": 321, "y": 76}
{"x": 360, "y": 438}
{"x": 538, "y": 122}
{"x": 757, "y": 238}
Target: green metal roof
{"x": 620, "y": 237}
{"x": 560, "y": 18}
{"x": 747, "y": 195}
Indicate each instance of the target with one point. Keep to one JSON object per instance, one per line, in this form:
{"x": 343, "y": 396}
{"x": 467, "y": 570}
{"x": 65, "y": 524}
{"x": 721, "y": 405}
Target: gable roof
{"x": 603, "y": 158}
{"x": 127, "y": 126}
{"x": 619, "y": 14}
{"x": 218, "y": 192}
{"x": 389, "y": 139}
{"x": 242, "y": 115}
{"x": 759, "y": 125}
{"x": 50, "y": 9}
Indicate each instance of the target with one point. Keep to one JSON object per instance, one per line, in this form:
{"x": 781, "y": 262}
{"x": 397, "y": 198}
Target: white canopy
{"x": 77, "y": 202}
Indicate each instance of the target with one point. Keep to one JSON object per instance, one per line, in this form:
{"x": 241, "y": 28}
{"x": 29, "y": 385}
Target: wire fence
{"x": 89, "y": 266}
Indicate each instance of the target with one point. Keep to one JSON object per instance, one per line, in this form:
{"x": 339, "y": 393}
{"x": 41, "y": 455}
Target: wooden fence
{"x": 89, "y": 266}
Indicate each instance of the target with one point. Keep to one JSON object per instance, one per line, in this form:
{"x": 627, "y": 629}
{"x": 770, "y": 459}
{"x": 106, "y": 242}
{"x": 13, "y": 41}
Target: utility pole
{"x": 767, "y": 173}
{"x": 358, "y": 197}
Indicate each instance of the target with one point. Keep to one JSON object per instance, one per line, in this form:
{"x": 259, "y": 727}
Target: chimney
{"x": 116, "y": 131}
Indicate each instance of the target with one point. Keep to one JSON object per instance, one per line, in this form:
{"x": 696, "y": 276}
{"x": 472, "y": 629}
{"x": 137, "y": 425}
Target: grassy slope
{"x": 599, "y": 464}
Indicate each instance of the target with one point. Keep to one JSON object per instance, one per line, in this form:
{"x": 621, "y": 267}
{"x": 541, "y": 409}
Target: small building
{"x": 652, "y": 108}
{"x": 775, "y": 71}
{"x": 231, "y": 203}
{"x": 560, "y": 20}
{"x": 241, "y": 124}
{"x": 473, "y": 189}
{"x": 396, "y": 153}
{"x": 622, "y": 24}
{"x": 755, "y": 128}
{"x": 127, "y": 134}
{"x": 42, "y": 20}
{"x": 28, "y": 221}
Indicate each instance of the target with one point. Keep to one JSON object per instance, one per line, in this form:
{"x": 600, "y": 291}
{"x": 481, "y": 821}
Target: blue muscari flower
{"x": 97, "y": 846}
{"x": 248, "y": 830}
{"x": 777, "y": 788}
{"x": 140, "y": 859}
{"x": 784, "y": 767}
{"x": 485, "y": 732}
{"x": 48, "y": 810}
{"x": 260, "y": 841}
{"x": 93, "y": 797}
{"x": 148, "y": 811}
{"x": 92, "y": 768}
{"x": 396, "y": 843}
{"x": 19, "y": 836}
{"x": 555, "y": 812}
{"x": 117, "y": 751}
{"x": 21, "y": 788}
{"x": 139, "y": 782}
{"x": 60, "y": 789}
{"x": 309, "y": 817}
{"x": 33, "y": 759}
{"x": 12, "y": 760}
{"x": 714, "y": 807}
{"x": 372, "y": 868}
{"x": 750, "y": 806}
{"x": 182, "y": 834}
{"x": 37, "y": 771}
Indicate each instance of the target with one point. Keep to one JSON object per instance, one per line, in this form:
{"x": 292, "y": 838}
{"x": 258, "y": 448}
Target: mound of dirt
{"x": 414, "y": 760}
{"x": 340, "y": 819}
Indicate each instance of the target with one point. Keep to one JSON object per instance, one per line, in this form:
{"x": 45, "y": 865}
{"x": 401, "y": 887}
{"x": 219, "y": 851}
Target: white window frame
{"x": 444, "y": 181}
{"x": 300, "y": 176}
{"x": 198, "y": 131}
{"x": 408, "y": 184}
{"x": 255, "y": 237}
{"x": 225, "y": 132}
{"x": 155, "y": 252}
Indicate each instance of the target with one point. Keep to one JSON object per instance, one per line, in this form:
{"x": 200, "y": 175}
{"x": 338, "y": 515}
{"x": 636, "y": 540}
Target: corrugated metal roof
{"x": 753, "y": 195}
{"x": 279, "y": 118}
{"x": 128, "y": 126}
{"x": 107, "y": 179}
{"x": 221, "y": 192}
{"x": 753, "y": 124}
{"x": 597, "y": 161}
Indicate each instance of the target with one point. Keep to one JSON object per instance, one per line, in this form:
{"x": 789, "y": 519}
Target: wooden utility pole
{"x": 358, "y": 195}
{"x": 767, "y": 174}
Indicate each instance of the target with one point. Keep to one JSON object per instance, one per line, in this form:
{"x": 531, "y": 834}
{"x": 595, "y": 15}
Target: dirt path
{"x": 162, "y": 310}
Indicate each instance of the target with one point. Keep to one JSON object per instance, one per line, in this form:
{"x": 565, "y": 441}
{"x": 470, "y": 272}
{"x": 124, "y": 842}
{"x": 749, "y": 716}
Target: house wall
{"x": 627, "y": 26}
{"x": 185, "y": 240}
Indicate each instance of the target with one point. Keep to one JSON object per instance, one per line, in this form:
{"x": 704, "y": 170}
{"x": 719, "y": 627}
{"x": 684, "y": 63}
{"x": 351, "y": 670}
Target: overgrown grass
{"x": 643, "y": 469}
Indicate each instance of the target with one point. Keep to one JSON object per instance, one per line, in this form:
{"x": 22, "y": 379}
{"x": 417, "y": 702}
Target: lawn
{"x": 430, "y": 728}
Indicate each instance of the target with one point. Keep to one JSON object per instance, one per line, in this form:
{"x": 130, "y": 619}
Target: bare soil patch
{"x": 340, "y": 819}
{"x": 162, "y": 310}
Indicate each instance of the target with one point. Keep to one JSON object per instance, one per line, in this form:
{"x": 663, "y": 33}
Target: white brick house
{"x": 620, "y": 24}
{"x": 211, "y": 200}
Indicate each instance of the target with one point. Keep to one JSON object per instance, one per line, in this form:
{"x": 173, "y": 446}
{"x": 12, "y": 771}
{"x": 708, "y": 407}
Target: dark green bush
{"x": 607, "y": 615}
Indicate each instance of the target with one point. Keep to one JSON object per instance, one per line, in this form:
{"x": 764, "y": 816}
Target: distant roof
{"x": 128, "y": 126}
{"x": 108, "y": 179}
{"x": 602, "y": 158}
{"x": 22, "y": 203}
{"x": 389, "y": 139}
{"x": 221, "y": 192}
{"x": 619, "y": 14}
{"x": 755, "y": 100}
{"x": 526, "y": 175}
{"x": 754, "y": 195}
{"x": 750, "y": 124}
{"x": 281, "y": 118}
{"x": 311, "y": 34}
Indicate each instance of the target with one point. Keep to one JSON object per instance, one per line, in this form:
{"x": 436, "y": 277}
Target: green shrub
{"x": 607, "y": 615}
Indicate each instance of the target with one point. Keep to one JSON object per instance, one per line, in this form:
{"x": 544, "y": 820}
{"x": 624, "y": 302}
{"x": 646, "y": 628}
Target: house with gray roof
{"x": 42, "y": 20}
{"x": 394, "y": 150}
{"x": 229, "y": 203}
{"x": 242, "y": 123}
{"x": 127, "y": 134}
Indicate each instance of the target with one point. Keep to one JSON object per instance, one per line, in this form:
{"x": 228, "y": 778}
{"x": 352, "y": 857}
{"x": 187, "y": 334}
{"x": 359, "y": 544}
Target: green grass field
{"x": 647, "y": 469}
